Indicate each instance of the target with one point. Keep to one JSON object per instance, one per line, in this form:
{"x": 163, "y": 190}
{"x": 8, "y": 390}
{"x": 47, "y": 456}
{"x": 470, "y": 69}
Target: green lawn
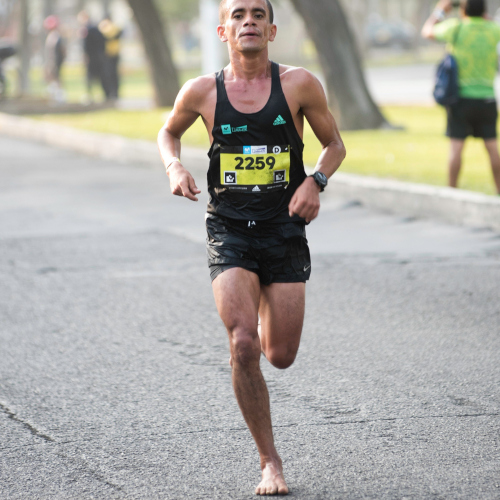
{"x": 417, "y": 154}
{"x": 135, "y": 83}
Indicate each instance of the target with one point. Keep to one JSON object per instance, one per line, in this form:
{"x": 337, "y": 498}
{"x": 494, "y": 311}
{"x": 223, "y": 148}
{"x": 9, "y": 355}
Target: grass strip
{"x": 417, "y": 154}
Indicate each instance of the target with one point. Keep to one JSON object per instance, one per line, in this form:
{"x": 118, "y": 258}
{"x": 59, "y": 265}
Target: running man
{"x": 260, "y": 201}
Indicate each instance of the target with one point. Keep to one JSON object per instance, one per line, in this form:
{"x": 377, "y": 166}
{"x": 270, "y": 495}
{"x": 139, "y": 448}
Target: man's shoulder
{"x": 300, "y": 84}
{"x": 297, "y": 77}
{"x": 197, "y": 92}
{"x": 492, "y": 25}
{"x": 294, "y": 73}
{"x": 200, "y": 85}
{"x": 442, "y": 31}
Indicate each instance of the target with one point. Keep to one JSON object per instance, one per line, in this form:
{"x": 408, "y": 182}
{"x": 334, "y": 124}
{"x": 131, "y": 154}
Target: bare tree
{"x": 24, "y": 44}
{"x": 6, "y": 10}
{"x": 49, "y": 7}
{"x": 163, "y": 71}
{"x": 346, "y": 86}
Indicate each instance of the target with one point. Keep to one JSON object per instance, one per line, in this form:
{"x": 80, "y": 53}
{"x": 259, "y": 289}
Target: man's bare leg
{"x": 492, "y": 148}
{"x": 281, "y": 311}
{"x": 237, "y": 296}
{"x": 455, "y": 161}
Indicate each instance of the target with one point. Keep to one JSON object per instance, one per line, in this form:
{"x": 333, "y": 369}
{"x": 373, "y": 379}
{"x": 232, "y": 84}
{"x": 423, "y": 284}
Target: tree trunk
{"x": 163, "y": 71}
{"x": 24, "y": 48}
{"x": 346, "y": 87}
{"x": 106, "y": 6}
{"x": 6, "y": 12}
{"x": 48, "y": 7}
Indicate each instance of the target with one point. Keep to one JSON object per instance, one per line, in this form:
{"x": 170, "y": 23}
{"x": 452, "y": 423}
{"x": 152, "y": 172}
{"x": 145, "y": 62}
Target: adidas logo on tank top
{"x": 279, "y": 121}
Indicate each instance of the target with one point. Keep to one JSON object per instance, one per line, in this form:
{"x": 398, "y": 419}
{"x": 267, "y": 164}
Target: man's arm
{"x": 443, "y": 7}
{"x": 311, "y": 96}
{"x": 183, "y": 115}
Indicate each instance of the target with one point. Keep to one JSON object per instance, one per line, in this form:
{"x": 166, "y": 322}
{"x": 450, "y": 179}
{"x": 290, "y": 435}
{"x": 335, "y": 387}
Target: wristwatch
{"x": 320, "y": 179}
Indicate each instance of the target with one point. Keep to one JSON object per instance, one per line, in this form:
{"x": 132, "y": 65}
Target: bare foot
{"x": 273, "y": 482}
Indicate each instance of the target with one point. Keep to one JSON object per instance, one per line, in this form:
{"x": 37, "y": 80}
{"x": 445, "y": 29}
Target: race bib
{"x": 255, "y": 169}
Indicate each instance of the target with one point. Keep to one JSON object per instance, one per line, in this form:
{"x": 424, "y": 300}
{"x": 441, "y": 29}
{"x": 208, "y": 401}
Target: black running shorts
{"x": 277, "y": 253}
{"x": 476, "y": 117}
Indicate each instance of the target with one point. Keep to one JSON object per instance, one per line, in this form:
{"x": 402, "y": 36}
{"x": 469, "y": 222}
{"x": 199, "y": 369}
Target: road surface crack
{"x": 339, "y": 422}
{"x": 31, "y": 428}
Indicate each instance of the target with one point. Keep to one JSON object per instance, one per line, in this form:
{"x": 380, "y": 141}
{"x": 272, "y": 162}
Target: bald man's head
{"x": 223, "y": 11}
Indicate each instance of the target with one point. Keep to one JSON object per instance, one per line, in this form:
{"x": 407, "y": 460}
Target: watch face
{"x": 321, "y": 178}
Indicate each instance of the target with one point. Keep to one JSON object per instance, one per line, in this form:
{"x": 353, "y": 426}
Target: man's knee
{"x": 245, "y": 346}
{"x": 281, "y": 357}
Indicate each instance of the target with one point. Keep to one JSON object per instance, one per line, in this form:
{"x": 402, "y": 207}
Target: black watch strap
{"x": 320, "y": 179}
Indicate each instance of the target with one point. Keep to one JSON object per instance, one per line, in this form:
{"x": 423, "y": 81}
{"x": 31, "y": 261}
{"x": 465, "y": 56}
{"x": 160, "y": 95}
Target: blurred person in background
{"x": 112, "y": 34}
{"x": 94, "y": 45}
{"x": 55, "y": 53}
{"x": 473, "y": 41}
{"x": 7, "y": 50}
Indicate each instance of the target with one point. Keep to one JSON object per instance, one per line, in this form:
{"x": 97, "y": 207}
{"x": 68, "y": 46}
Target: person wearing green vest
{"x": 473, "y": 41}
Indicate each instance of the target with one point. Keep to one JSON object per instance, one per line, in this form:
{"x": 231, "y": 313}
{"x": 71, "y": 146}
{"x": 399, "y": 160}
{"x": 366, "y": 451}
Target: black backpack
{"x": 446, "y": 88}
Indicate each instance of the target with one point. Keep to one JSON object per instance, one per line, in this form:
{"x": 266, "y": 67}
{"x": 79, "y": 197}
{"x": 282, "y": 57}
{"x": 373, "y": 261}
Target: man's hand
{"x": 305, "y": 201}
{"x": 182, "y": 182}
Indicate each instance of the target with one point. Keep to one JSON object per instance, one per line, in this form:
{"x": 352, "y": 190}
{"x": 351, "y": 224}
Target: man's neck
{"x": 249, "y": 66}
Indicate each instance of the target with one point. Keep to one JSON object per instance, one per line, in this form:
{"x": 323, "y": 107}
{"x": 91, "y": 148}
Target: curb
{"x": 106, "y": 146}
{"x": 455, "y": 206}
{"x": 449, "y": 205}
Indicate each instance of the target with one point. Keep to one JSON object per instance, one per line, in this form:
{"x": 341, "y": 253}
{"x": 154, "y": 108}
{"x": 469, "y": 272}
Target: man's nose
{"x": 249, "y": 20}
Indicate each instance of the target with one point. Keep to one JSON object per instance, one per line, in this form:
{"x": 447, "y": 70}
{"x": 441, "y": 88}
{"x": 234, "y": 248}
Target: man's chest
{"x": 248, "y": 102}
{"x": 248, "y": 99}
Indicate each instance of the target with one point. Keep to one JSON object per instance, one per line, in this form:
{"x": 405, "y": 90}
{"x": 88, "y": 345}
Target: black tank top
{"x": 255, "y": 159}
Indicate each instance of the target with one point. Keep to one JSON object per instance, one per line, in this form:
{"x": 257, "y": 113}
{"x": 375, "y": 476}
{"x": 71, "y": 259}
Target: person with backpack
{"x": 94, "y": 45}
{"x": 472, "y": 41}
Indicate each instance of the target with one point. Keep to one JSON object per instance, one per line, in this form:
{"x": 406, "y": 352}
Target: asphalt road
{"x": 114, "y": 376}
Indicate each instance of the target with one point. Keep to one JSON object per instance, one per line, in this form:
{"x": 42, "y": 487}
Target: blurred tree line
{"x": 337, "y": 28}
{"x": 329, "y": 30}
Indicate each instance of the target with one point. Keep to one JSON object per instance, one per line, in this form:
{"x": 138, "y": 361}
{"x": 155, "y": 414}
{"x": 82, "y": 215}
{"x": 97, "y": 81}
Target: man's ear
{"x": 221, "y": 32}
{"x": 272, "y": 34}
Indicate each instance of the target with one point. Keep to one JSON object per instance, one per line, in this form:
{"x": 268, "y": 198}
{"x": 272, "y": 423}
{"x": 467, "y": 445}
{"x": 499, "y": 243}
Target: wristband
{"x": 170, "y": 161}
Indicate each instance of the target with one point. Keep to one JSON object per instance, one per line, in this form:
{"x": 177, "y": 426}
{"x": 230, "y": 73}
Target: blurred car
{"x": 381, "y": 33}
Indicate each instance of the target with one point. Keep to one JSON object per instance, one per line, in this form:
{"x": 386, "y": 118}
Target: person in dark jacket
{"x": 94, "y": 45}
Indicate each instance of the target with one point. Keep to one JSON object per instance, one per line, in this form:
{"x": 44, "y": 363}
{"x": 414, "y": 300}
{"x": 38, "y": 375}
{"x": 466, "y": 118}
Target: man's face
{"x": 247, "y": 27}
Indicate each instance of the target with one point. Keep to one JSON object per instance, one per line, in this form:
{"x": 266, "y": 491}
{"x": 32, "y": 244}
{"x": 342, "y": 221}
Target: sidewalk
{"x": 408, "y": 199}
